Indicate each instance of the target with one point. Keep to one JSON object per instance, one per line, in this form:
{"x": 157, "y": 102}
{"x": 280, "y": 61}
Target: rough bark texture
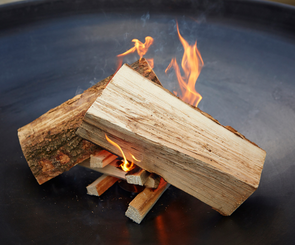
{"x": 184, "y": 145}
{"x": 50, "y": 144}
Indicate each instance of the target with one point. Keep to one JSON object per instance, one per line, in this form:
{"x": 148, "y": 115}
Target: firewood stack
{"x": 177, "y": 143}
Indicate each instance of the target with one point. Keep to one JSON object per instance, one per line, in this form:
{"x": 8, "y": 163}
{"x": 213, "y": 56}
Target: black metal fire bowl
{"x": 51, "y": 50}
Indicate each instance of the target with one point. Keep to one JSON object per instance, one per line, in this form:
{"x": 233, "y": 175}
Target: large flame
{"x": 141, "y": 49}
{"x": 191, "y": 64}
{"x": 125, "y": 165}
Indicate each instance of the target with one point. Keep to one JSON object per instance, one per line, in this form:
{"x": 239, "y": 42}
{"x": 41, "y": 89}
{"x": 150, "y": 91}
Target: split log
{"x": 137, "y": 176}
{"x": 101, "y": 159}
{"x": 111, "y": 169}
{"x": 179, "y": 142}
{"x": 144, "y": 201}
{"x": 50, "y": 144}
{"x": 99, "y": 186}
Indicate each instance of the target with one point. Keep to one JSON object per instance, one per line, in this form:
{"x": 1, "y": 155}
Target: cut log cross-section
{"x": 184, "y": 145}
{"x": 50, "y": 144}
{"x": 137, "y": 176}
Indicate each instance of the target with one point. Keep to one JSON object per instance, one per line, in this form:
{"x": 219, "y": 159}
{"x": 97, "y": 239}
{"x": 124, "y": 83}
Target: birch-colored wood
{"x": 101, "y": 159}
{"x": 184, "y": 145}
{"x": 153, "y": 181}
{"x": 99, "y": 186}
{"x": 144, "y": 201}
{"x": 50, "y": 144}
{"x": 137, "y": 176}
{"x": 111, "y": 169}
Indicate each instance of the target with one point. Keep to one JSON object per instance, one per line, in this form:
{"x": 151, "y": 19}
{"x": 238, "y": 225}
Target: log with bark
{"x": 179, "y": 142}
{"x": 50, "y": 144}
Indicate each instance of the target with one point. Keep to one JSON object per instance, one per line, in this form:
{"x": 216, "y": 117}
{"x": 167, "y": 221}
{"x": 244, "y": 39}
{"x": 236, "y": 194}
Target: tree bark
{"x": 182, "y": 144}
{"x": 50, "y": 144}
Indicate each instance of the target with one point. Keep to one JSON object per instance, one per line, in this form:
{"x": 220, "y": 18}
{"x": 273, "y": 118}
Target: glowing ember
{"x": 125, "y": 165}
{"x": 191, "y": 64}
{"x": 141, "y": 49}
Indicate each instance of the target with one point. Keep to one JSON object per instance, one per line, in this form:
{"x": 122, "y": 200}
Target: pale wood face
{"x": 175, "y": 140}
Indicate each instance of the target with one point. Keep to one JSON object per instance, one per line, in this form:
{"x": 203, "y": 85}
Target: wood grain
{"x": 153, "y": 181}
{"x": 184, "y": 145}
{"x": 101, "y": 159}
{"x": 111, "y": 169}
{"x": 144, "y": 201}
{"x": 137, "y": 176}
{"x": 50, "y": 144}
{"x": 102, "y": 184}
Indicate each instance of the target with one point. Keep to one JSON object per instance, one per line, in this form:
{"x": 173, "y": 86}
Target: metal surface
{"x": 51, "y": 50}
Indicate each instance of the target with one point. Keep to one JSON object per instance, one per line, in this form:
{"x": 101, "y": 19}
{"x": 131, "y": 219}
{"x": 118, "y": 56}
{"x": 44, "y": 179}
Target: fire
{"x": 141, "y": 49}
{"x": 191, "y": 64}
{"x": 125, "y": 165}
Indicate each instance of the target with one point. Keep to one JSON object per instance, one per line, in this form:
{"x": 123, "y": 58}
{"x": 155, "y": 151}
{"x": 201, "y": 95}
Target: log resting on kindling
{"x": 179, "y": 142}
{"x": 50, "y": 144}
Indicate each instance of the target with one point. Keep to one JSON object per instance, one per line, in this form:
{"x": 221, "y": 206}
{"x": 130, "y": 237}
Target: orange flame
{"x": 191, "y": 64}
{"x": 125, "y": 165}
{"x": 141, "y": 49}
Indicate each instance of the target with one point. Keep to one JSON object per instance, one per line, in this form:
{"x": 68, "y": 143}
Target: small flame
{"x": 191, "y": 64}
{"x": 125, "y": 165}
{"x": 141, "y": 49}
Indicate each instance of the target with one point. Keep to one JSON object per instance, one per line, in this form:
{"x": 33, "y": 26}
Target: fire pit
{"x": 54, "y": 50}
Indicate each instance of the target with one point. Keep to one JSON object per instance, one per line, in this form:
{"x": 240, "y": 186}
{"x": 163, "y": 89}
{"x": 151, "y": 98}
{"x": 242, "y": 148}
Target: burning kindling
{"x": 129, "y": 128}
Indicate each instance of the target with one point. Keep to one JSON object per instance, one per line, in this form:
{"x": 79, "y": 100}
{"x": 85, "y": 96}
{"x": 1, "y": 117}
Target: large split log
{"x": 185, "y": 146}
{"x": 50, "y": 144}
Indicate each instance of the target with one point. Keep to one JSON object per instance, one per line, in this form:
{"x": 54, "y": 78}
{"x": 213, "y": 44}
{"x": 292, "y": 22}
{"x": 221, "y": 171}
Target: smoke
{"x": 79, "y": 90}
{"x": 144, "y": 18}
